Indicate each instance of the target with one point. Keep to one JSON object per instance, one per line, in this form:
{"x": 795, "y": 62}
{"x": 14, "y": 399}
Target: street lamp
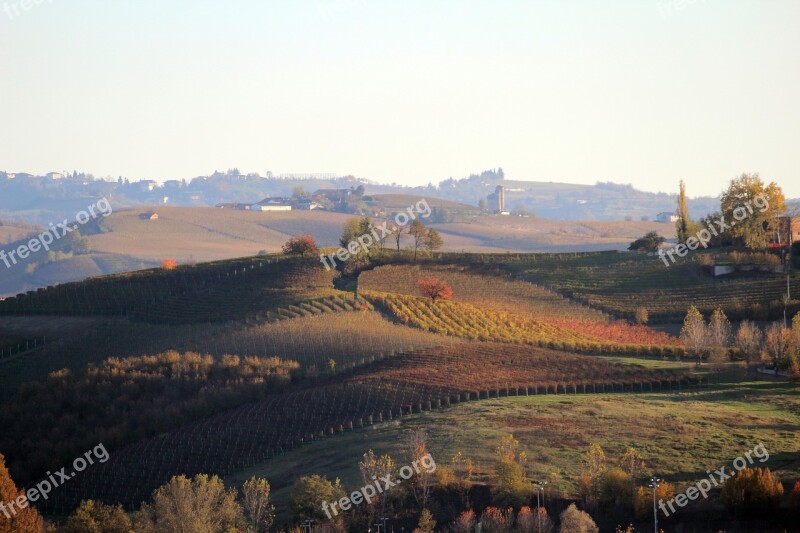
{"x": 381, "y": 524}
{"x": 654, "y": 484}
{"x": 539, "y": 486}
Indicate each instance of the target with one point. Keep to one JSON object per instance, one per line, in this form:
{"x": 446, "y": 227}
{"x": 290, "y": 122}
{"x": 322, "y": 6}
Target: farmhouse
{"x": 273, "y": 204}
{"x": 667, "y": 217}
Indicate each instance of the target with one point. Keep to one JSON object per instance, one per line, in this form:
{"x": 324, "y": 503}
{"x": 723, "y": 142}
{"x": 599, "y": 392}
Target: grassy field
{"x": 680, "y": 434}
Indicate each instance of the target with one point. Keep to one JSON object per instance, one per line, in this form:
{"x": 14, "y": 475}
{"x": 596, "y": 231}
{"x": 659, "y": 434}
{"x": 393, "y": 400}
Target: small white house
{"x": 270, "y": 207}
{"x": 667, "y": 217}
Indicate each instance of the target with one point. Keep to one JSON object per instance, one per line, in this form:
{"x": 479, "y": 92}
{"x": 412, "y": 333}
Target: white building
{"x": 270, "y": 207}
{"x": 667, "y": 217}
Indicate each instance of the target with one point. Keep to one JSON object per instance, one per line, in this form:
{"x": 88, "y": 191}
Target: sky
{"x": 646, "y": 92}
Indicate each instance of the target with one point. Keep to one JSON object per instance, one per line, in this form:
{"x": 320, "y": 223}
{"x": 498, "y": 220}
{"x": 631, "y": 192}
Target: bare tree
{"x": 422, "y": 481}
{"x": 418, "y": 233}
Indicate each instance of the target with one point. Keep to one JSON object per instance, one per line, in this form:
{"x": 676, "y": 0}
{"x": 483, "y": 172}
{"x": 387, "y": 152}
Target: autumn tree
{"x": 632, "y": 463}
{"x": 418, "y": 233}
{"x": 594, "y": 461}
{"x": 308, "y": 495}
{"x": 96, "y": 517}
{"x": 748, "y": 341}
{"x": 433, "y": 240}
{"x": 616, "y": 488}
{"x": 574, "y": 520}
{"x": 495, "y": 520}
{"x": 258, "y": 510}
{"x": 201, "y": 505}
{"x": 754, "y": 207}
{"x": 21, "y": 518}
{"x": 169, "y": 264}
{"x": 778, "y": 344}
{"x": 752, "y": 490}
{"x": 534, "y": 521}
{"x": 694, "y": 333}
{"x": 465, "y": 523}
{"x": 301, "y": 244}
{"x": 426, "y": 523}
{"x": 511, "y": 487}
{"x": 435, "y": 289}
{"x": 719, "y": 333}
{"x": 373, "y": 467}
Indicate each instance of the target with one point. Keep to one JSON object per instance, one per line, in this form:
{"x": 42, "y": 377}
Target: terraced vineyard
{"x": 423, "y": 380}
{"x": 470, "y": 322}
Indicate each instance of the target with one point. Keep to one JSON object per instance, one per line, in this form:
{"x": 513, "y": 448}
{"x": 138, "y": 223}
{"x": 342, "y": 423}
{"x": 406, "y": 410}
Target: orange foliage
{"x": 434, "y": 288}
{"x": 169, "y": 264}
{"x": 19, "y": 516}
{"x": 301, "y": 244}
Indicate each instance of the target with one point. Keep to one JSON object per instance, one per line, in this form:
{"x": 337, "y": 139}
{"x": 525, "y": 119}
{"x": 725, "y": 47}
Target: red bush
{"x": 434, "y": 288}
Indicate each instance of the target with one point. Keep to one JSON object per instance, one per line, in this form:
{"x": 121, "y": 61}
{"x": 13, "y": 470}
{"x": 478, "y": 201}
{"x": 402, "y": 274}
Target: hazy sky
{"x": 642, "y": 91}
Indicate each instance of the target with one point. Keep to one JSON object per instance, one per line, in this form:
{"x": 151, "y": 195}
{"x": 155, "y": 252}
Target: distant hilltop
{"x": 43, "y": 198}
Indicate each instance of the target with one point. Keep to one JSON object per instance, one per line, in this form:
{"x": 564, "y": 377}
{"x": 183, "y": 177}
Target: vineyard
{"x": 212, "y": 292}
{"x": 471, "y": 322}
{"x": 313, "y": 339}
{"x": 619, "y": 283}
{"x": 398, "y": 386}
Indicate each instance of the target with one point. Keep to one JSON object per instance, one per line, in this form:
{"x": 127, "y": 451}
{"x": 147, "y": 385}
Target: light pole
{"x": 539, "y": 486}
{"x": 654, "y": 484}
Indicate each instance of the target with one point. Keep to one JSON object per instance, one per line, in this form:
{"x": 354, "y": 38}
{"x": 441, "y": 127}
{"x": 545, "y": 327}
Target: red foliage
{"x": 794, "y": 496}
{"x": 434, "y": 288}
{"x": 301, "y": 244}
{"x": 169, "y": 264}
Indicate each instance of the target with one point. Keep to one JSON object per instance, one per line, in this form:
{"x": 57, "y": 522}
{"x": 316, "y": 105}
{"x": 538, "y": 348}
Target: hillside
{"x": 249, "y": 365}
{"x": 125, "y": 241}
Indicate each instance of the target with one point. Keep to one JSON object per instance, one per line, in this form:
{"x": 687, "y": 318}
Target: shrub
{"x": 641, "y": 315}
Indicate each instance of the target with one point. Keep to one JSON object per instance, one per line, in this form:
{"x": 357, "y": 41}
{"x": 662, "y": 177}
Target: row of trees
{"x": 716, "y": 341}
{"x": 422, "y": 238}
